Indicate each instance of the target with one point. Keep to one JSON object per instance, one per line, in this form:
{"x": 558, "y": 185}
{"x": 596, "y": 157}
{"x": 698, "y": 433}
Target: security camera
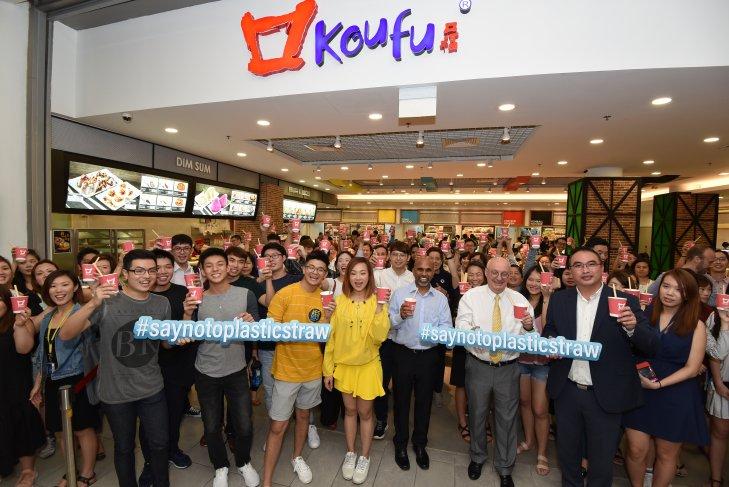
{"x": 127, "y": 117}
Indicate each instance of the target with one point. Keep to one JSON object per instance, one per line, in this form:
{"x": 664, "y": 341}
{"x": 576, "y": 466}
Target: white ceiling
{"x": 567, "y": 108}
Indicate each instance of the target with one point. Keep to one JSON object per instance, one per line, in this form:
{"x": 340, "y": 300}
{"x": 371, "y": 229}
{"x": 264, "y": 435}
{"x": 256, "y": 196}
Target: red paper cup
{"x": 632, "y": 292}
{"x": 463, "y": 286}
{"x": 196, "y": 293}
{"x": 616, "y": 305}
{"x": 127, "y": 247}
{"x": 520, "y": 312}
{"x": 165, "y": 243}
{"x": 261, "y": 263}
{"x": 505, "y": 232}
{"x": 411, "y": 303}
{"x": 536, "y": 241}
{"x": 259, "y": 249}
{"x": 722, "y": 301}
{"x": 410, "y": 233}
{"x": 546, "y": 278}
{"x": 445, "y": 246}
{"x": 461, "y": 245}
{"x": 690, "y": 244}
{"x": 346, "y": 244}
{"x": 384, "y": 238}
{"x": 420, "y": 252}
{"x": 647, "y": 298}
{"x": 296, "y": 225}
{"x": 380, "y": 263}
{"x": 560, "y": 261}
{"x": 20, "y": 253}
{"x": 623, "y": 254}
{"x": 605, "y": 277}
{"x": 383, "y": 294}
{"x": 109, "y": 279}
{"x": 265, "y": 221}
{"x": 19, "y": 303}
{"x": 366, "y": 236}
{"x": 326, "y": 298}
{"x": 192, "y": 280}
{"x": 88, "y": 273}
{"x": 293, "y": 252}
{"x": 325, "y": 245}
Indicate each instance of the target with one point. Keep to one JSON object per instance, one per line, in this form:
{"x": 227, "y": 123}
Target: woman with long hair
{"x": 336, "y": 284}
{"x": 21, "y": 427}
{"x": 6, "y": 273}
{"x": 672, "y": 410}
{"x": 533, "y": 399}
{"x": 352, "y": 360}
{"x": 23, "y": 280}
{"x": 41, "y": 271}
{"x": 62, "y": 364}
{"x": 717, "y": 393}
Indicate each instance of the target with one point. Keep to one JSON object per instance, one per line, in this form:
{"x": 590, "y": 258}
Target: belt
{"x": 495, "y": 364}
{"x": 413, "y": 350}
{"x": 582, "y": 387}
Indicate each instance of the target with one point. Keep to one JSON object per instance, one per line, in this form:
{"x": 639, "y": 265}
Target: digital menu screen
{"x": 213, "y": 200}
{"x": 98, "y": 188}
{"x": 306, "y": 212}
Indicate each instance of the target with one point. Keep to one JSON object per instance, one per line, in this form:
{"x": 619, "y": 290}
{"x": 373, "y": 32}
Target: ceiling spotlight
{"x": 420, "y": 190}
{"x": 450, "y": 183}
{"x": 344, "y": 168}
{"x": 284, "y": 169}
{"x": 171, "y": 130}
{"x": 375, "y": 116}
{"x": 664, "y": 100}
{"x": 385, "y": 176}
{"x": 241, "y": 154}
{"x": 381, "y": 183}
{"x": 544, "y": 180}
{"x": 269, "y": 147}
{"x": 708, "y": 140}
{"x": 528, "y": 189}
{"x": 496, "y": 182}
{"x": 411, "y": 202}
{"x": 507, "y": 107}
{"x": 301, "y": 181}
{"x": 481, "y": 164}
{"x": 369, "y": 202}
{"x": 337, "y": 142}
{"x": 648, "y": 163}
{"x": 318, "y": 178}
{"x": 412, "y": 182}
{"x": 430, "y": 165}
{"x": 562, "y": 163}
{"x": 506, "y": 137}
{"x": 596, "y": 141}
{"x": 420, "y": 143}
{"x": 318, "y": 168}
{"x": 409, "y": 166}
{"x": 656, "y": 173}
{"x": 459, "y": 175}
{"x": 263, "y": 123}
{"x": 490, "y": 191}
{"x": 457, "y": 203}
{"x": 368, "y": 190}
{"x": 535, "y": 173}
{"x": 724, "y": 174}
{"x": 328, "y": 189}
{"x": 393, "y": 190}
{"x": 315, "y": 185}
{"x": 490, "y": 164}
{"x": 370, "y": 167}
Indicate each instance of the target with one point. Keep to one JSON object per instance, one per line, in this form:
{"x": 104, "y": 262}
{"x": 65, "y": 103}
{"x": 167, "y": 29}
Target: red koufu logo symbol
{"x": 351, "y": 41}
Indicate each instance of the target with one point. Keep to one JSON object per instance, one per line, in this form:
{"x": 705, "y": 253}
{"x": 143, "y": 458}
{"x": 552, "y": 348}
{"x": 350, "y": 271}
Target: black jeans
{"x": 177, "y": 405}
{"x": 387, "y": 360}
{"x": 440, "y": 371}
{"x": 414, "y": 370}
{"x": 123, "y": 422}
{"x": 210, "y": 393}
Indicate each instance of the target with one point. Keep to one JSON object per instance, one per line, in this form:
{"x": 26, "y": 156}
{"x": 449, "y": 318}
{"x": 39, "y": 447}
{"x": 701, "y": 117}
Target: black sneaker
{"x": 146, "y": 479}
{"x": 380, "y": 428}
{"x": 180, "y": 460}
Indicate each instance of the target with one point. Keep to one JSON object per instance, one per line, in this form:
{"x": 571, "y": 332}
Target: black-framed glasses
{"x": 318, "y": 270}
{"x": 580, "y": 266}
{"x": 181, "y": 248}
{"x": 140, "y": 271}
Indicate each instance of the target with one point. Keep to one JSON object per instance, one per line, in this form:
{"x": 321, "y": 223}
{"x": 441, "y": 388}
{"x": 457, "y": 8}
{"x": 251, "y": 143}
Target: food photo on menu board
{"x": 306, "y": 212}
{"x": 221, "y": 201}
{"x": 93, "y": 187}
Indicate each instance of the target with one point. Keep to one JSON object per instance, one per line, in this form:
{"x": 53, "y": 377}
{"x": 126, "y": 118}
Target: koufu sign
{"x": 332, "y": 40}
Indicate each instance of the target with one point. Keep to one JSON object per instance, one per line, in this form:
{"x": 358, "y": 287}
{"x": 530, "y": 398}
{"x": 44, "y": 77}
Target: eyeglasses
{"x": 397, "y": 255}
{"x": 140, "y": 271}
{"x": 272, "y": 256}
{"x": 580, "y": 267}
{"x": 181, "y": 248}
{"x": 318, "y": 270}
{"x": 503, "y": 275}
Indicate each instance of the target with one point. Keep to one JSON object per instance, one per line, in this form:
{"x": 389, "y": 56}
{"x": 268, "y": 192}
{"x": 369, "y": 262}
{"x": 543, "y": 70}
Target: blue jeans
{"x": 266, "y": 358}
{"x": 152, "y": 412}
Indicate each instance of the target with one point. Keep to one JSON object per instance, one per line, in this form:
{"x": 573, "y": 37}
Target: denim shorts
{"x": 537, "y": 372}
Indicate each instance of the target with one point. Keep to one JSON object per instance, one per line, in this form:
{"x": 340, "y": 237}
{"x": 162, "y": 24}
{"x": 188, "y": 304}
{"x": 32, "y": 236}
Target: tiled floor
{"x": 448, "y": 454}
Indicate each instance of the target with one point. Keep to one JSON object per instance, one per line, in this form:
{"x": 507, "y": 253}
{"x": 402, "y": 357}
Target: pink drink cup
{"x": 561, "y": 261}
{"x": 616, "y": 305}
{"x": 196, "y": 293}
{"x": 88, "y": 273}
{"x": 165, "y": 243}
{"x": 445, "y": 246}
{"x": 261, "y": 263}
{"x": 265, "y": 221}
{"x": 383, "y": 294}
{"x": 546, "y": 278}
{"x": 326, "y": 298}
{"x": 536, "y": 241}
{"x": 722, "y": 301}
{"x": 632, "y": 292}
{"x": 520, "y": 312}
{"x": 380, "y": 263}
{"x": 461, "y": 245}
{"x": 259, "y": 249}
{"x": 463, "y": 287}
{"x": 296, "y": 225}
{"x": 127, "y": 247}
{"x": 646, "y": 298}
{"x": 411, "y": 304}
{"x": 293, "y": 252}
{"x": 192, "y": 280}
{"x": 19, "y": 303}
{"x": 20, "y": 253}
{"x": 109, "y": 279}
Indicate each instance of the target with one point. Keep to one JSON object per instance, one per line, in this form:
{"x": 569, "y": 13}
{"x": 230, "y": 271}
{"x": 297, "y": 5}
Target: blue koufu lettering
{"x": 353, "y": 40}
{"x": 530, "y": 343}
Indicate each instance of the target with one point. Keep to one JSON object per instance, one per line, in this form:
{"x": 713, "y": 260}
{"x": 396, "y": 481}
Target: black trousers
{"x": 440, "y": 370}
{"x": 580, "y": 418}
{"x": 177, "y": 404}
{"x": 387, "y": 350}
{"x": 414, "y": 370}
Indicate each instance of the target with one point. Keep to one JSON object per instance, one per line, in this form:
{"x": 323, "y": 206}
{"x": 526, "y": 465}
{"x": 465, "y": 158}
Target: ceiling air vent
{"x": 321, "y": 148}
{"x": 460, "y": 143}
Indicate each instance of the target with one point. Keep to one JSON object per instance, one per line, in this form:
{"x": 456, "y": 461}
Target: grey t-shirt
{"x": 128, "y": 368}
{"x": 215, "y": 359}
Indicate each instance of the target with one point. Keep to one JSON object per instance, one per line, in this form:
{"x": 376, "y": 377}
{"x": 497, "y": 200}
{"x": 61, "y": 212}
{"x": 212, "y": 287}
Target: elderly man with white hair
{"x": 491, "y": 309}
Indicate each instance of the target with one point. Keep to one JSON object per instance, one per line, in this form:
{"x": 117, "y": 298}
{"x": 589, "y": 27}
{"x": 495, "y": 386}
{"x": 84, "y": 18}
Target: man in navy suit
{"x": 590, "y": 397}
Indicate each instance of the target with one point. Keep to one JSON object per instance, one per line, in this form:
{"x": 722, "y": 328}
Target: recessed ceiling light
{"x": 721, "y": 197}
{"x": 708, "y": 140}
{"x": 430, "y": 165}
{"x": 544, "y": 180}
{"x": 328, "y": 189}
{"x": 263, "y": 123}
{"x": 318, "y": 178}
{"x": 490, "y": 164}
{"x": 664, "y": 100}
{"x": 316, "y": 185}
{"x": 724, "y": 174}
{"x": 507, "y": 107}
{"x": 171, "y": 130}
{"x": 535, "y": 173}
{"x": 409, "y": 166}
{"x": 596, "y": 141}
{"x": 241, "y": 154}
{"x": 481, "y": 164}
{"x": 301, "y": 181}
{"x": 344, "y": 168}
{"x": 385, "y": 176}
{"x": 375, "y": 116}
{"x": 269, "y": 147}
{"x": 285, "y": 169}
{"x": 648, "y": 162}
{"x": 656, "y": 173}
{"x": 338, "y": 142}
{"x": 457, "y": 203}
{"x": 411, "y": 202}
{"x": 370, "y": 167}
{"x": 459, "y": 175}
{"x": 562, "y": 163}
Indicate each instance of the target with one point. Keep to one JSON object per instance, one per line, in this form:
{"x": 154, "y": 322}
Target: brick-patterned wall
{"x": 696, "y": 219}
{"x": 271, "y": 203}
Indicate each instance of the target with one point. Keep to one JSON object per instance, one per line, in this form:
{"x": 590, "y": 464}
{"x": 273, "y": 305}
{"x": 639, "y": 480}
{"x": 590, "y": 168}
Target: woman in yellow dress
{"x": 359, "y": 325}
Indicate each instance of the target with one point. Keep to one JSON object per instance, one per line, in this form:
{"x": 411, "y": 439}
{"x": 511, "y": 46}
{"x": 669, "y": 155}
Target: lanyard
{"x": 52, "y": 339}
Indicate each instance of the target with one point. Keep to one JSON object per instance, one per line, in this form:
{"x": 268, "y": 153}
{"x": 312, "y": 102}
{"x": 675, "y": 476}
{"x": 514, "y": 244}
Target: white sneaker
{"x": 363, "y": 468}
{"x": 313, "y": 437}
{"x": 302, "y": 470}
{"x": 49, "y": 449}
{"x": 221, "y": 477}
{"x": 350, "y": 460}
{"x": 250, "y": 476}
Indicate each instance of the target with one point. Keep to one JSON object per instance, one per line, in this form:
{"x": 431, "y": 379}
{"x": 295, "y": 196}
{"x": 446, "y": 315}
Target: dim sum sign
{"x": 335, "y": 41}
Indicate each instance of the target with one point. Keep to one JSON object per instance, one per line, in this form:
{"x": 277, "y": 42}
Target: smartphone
{"x": 645, "y": 369}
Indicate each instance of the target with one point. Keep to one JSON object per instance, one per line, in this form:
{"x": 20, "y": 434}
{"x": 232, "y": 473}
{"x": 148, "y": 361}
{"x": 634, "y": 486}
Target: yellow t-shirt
{"x": 296, "y": 361}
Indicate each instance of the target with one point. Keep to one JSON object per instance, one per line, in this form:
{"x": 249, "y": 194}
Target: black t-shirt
{"x": 177, "y": 363}
{"x": 251, "y": 284}
{"x": 278, "y": 284}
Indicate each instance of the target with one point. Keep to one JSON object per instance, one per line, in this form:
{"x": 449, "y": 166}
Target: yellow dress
{"x": 352, "y": 353}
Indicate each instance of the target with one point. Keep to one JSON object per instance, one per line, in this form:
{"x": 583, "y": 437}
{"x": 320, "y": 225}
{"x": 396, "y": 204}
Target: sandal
{"x": 618, "y": 458}
{"x": 715, "y": 483}
{"x": 87, "y": 480}
{"x": 681, "y": 470}
{"x": 523, "y": 446}
{"x": 465, "y": 433}
{"x": 27, "y": 478}
{"x": 542, "y": 465}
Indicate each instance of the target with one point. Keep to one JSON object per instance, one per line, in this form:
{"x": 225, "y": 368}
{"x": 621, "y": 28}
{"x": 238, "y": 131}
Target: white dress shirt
{"x": 178, "y": 274}
{"x": 476, "y": 310}
{"x": 586, "y": 311}
{"x": 388, "y": 278}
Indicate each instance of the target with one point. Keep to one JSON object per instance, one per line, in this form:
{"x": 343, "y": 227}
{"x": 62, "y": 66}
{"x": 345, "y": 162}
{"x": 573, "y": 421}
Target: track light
{"x": 370, "y": 167}
{"x": 318, "y": 168}
{"x": 496, "y": 182}
{"x": 269, "y": 147}
{"x": 412, "y": 182}
{"x": 450, "y": 183}
{"x": 490, "y": 164}
{"x": 393, "y": 190}
{"x": 528, "y": 190}
{"x": 420, "y": 143}
{"x": 490, "y": 190}
{"x": 381, "y": 183}
{"x": 337, "y": 143}
{"x": 544, "y": 180}
{"x": 430, "y": 165}
{"x": 506, "y": 137}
